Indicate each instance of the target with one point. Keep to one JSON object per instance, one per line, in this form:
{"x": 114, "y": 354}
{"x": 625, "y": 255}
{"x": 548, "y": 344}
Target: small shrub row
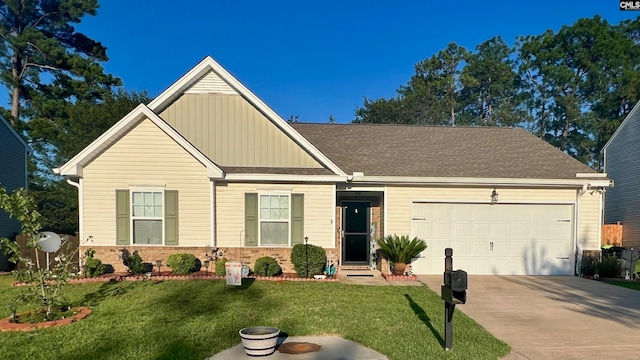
{"x": 308, "y": 260}
{"x": 608, "y": 267}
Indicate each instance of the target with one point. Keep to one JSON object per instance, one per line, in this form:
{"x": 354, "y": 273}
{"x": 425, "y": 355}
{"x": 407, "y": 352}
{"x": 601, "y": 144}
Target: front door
{"x": 355, "y": 243}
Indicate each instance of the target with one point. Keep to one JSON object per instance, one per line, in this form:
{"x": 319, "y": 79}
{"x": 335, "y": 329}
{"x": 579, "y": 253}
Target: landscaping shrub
{"x": 134, "y": 263}
{"x": 315, "y": 255}
{"x": 610, "y": 267}
{"x": 589, "y": 265}
{"x": 92, "y": 267}
{"x": 267, "y": 266}
{"x": 183, "y": 263}
{"x": 220, "y": 269}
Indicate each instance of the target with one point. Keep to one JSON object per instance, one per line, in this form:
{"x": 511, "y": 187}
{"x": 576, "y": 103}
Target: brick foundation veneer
{"x": 247, "y": 256}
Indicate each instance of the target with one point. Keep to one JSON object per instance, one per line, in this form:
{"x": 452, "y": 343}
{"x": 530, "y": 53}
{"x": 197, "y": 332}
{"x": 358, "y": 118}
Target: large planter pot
{"x": 259, "y": 340}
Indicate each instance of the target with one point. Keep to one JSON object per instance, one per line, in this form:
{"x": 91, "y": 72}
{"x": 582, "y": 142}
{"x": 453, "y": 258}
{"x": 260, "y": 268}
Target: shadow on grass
{"x": 107, "y": 290}
{"x": 422, "y": 315}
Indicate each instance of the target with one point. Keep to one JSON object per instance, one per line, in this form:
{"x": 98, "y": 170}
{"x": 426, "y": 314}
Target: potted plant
{"x": 400, "y": 250}
{"x": 259, "y": 340}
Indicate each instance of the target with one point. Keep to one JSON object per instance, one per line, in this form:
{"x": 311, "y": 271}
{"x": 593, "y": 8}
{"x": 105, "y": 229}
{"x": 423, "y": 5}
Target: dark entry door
{"x": 355, "y": 245}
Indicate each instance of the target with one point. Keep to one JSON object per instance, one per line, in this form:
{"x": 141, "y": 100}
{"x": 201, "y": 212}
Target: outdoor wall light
{"x": 494, "y": 196}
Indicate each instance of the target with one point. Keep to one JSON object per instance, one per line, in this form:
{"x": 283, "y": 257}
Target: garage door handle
{"x": 562, "y": 258}
{"x": 564, "y": 220}
{"x": 418, "y": 219}
{"x": 491, "y": 246}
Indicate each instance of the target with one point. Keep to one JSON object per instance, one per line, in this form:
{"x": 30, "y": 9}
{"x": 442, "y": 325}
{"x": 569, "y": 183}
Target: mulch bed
{"x": 7, "y": 325}
{"x": 199, "y": 275}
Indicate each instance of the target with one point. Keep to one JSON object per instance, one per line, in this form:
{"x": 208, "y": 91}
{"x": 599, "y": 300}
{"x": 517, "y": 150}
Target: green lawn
{"x": 627, "y": 284}
{"x": 199, "y": 318}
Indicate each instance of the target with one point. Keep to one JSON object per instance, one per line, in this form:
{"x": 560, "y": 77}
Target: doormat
{"x": 361, "y": 275}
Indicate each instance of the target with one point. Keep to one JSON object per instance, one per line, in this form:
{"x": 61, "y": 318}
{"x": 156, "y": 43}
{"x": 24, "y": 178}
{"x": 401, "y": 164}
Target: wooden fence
{"x": 69, "y": 242}
{"x": 612, "y": 234}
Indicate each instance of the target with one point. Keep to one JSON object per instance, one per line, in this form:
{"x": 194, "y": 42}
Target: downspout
{"x": 577, "y": 253}
{"x": 80, "y": 206}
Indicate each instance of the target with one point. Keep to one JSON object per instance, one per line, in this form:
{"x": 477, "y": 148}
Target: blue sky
{"x": 312, "y": 58}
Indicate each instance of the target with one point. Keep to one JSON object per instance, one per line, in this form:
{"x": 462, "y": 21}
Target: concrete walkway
{"x": 332, "y": 348}
{"x": 554, "y": 317}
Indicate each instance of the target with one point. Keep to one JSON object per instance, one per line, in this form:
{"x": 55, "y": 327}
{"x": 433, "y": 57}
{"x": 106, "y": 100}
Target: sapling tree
{"x": 43, "y": 285}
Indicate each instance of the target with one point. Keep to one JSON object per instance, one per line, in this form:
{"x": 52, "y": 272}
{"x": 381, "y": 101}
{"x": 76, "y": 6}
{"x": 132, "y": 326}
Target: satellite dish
{"x": 49, "y": 241}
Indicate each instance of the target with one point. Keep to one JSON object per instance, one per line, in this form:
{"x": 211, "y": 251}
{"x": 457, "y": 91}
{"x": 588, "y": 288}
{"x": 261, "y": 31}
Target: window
{"x": 147, "y": 217}
{"x": 274, "y": 220}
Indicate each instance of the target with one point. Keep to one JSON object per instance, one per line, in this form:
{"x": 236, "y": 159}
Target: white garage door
{"x": 500, "y": 239}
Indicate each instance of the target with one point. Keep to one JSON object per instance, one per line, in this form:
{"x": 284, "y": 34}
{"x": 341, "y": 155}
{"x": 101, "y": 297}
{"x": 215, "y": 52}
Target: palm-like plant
{"x": 400, "y": 250}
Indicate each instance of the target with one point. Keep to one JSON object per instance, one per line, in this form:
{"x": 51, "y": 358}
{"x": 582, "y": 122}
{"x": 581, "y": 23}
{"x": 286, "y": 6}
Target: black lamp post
{"x": 306, "y": 253}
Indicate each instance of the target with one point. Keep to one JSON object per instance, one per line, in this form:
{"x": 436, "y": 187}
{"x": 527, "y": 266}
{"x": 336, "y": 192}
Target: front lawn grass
{"x": 627, "y": 284}
{"x": 199, "y": 318}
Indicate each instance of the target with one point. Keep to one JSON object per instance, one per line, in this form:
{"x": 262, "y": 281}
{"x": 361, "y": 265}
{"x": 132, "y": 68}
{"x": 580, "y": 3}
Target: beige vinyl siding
{"x": 622, "y": 165}
{"x": 211, "y": 83}
{"x": 400, "y": 198}
{"x": 13, "y": 173}
{"x": 146, "y": 157}
{"x": 231, "y": 132}
{"x": 589, "y": 230}
{"x": 318, "y": 211}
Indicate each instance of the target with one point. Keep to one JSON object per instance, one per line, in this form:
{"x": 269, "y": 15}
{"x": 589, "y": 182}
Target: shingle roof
{"x": 438, "y": 151}
{"x": 276, "y": 170}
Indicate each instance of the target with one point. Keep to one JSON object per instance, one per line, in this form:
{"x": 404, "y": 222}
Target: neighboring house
{"x": 13, "y": 175}
{"x": 622, "y": 164}
{"x": 208, "y": 165}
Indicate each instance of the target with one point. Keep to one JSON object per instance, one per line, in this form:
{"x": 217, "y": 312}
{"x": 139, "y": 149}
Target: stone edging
{"x": 399, "y": 277}
{"x": 6, "y": 325}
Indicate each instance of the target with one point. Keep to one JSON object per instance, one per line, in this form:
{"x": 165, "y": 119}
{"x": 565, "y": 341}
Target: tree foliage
{"x": 571, "y": 88}
{"x": 38, "y": 42}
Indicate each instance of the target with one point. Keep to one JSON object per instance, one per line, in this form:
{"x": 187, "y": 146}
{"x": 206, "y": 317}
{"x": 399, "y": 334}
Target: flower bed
{"x": 200, "y": 275}
{"x": 7, "y": 325}
{"x": 399, "y": 277}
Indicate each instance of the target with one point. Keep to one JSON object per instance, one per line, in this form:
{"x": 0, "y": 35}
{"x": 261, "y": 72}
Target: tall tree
{"x": 437, "y": 85}
{"x": 39, "y": 42}
{"x": 490, "y": 86}
{"x": 431, "y": 96}
{"x": 573, "y": 80}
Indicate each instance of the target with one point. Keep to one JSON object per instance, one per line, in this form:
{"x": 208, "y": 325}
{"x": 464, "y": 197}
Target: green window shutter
{"x": 171, "y": 217}
{"x": 122, "y": 217}
{"x": 251, "y": 219}
{"x": 297, "y": 219}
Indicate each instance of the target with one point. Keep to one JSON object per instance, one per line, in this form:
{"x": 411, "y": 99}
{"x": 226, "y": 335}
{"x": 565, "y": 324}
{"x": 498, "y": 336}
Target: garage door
{"x": 500, "y": 239}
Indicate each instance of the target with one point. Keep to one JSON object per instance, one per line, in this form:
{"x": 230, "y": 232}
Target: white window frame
{"x": 132, "y": 217}
{"x": 260, "y": 220}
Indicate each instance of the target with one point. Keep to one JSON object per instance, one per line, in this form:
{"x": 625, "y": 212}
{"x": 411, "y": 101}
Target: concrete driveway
{"x": 554, "y": 317}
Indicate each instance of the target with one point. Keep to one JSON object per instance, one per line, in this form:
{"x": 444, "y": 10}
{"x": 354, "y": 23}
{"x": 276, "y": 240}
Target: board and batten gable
{"x": 622, "y": 165}
{"x": 146, "y": 157}
{"x": 229, "y": 130}
{"x": 400, "y": 198}
{"x": 319, "y": 210}
{"x": 13, "y": 171}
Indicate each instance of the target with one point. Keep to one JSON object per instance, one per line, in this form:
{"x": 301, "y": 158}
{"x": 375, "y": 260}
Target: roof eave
{"x": 471, "y": 181}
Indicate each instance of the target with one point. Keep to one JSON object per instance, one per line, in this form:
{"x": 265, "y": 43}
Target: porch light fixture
{"x": 494, "y": 196}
